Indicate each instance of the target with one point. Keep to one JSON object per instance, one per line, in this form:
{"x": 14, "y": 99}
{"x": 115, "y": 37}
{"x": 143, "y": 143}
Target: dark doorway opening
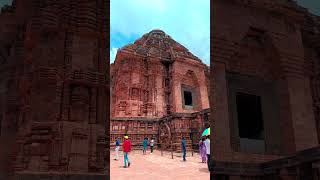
{"x": 250, "y": 122}
{"x": 187, "y": 98}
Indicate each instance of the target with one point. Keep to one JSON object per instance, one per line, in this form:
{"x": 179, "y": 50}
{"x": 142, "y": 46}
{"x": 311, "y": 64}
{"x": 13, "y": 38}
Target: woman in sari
{"x": 202, "y": 150}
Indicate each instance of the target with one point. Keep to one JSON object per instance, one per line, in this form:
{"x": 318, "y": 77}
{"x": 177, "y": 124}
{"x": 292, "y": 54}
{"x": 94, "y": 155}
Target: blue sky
{"x": 186, "y": 21}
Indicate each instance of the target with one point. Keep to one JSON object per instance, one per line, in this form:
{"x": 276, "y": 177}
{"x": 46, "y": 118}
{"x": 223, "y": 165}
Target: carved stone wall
{"x": 54, "y": 86}
{"x": 137, "y": 129}
{"x": 149, "y": 78}
{"x": 271, "y": 56}
{"x": 188, "y": 125}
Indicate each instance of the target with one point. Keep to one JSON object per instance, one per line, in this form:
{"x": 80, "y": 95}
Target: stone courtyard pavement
{"x": 157, "y": 167}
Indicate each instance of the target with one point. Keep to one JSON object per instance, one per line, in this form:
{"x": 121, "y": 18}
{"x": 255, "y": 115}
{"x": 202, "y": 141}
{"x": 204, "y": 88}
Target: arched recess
{"x": 256, "y": 55}
{"x": 190, "y": 84}
{"x": 254, "y": 74}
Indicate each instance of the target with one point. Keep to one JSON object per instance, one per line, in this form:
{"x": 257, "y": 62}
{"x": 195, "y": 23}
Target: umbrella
{"x": 206, "y": 132}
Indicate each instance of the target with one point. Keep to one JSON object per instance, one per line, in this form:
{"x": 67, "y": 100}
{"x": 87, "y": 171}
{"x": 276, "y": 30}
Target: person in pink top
{"x": 202, "y": 150}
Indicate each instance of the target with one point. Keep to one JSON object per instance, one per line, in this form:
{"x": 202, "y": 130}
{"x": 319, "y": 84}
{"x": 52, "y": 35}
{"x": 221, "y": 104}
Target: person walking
{"x": 151, "y": 145}
{"x": 207, "y": 144}
{"x": 126, "y": 149}
{"x": 145, "y": 144}
{"x": 117, "y": 149}
{"x": 184, "y": 148}
{"x": 202, "y": 150}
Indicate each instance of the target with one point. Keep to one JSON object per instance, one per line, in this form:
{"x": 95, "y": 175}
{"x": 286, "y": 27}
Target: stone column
{"x": 303, "y": 120}
{"x": 220, "y": 141}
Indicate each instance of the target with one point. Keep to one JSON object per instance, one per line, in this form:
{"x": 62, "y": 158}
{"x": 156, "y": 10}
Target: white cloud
{"x": 113, "y": 53}
{"x": 186, "y": 21}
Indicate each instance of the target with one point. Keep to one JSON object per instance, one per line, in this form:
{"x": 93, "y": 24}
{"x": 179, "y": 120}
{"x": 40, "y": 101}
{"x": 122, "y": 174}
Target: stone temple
{"x": 265, "y": 91}
{"x": 158, "y": 89}
{"x": 54, "y": 93}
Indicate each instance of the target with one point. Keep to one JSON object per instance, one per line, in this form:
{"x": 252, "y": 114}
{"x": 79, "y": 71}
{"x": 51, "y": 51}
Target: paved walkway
{"x": 157, "y": 167}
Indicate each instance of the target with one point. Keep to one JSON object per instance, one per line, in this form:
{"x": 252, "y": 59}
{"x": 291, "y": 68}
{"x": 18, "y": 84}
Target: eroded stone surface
{"x": 53, "y": 85}
{"x": 264, "y": 49}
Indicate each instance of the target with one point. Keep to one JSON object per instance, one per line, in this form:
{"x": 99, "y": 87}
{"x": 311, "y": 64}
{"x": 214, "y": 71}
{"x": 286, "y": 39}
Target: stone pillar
{"x": 203, "y": 91}
{"x": 220, "y": 145}
{"x": 303, "y": 120}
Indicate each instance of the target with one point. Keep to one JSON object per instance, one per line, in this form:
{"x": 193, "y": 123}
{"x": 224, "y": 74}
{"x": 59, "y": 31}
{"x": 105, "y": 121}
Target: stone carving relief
{"x": 79, "y": 104}
{"x": 165, "y": 135}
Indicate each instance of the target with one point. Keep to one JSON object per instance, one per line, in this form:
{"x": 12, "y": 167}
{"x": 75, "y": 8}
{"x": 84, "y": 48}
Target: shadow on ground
{"x": 204, "y": 170}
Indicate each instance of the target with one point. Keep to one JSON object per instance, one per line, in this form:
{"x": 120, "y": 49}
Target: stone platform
{"x": 157, "y": 167}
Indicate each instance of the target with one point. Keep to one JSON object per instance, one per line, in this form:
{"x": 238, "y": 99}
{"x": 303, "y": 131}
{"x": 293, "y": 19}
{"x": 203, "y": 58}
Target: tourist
{"x": 126, "y": 149}
{"x": 207, "y": 144}
{"x": 145, "y": 144}
{"x": 184, "y": 148}
{"x": 117, "y": 149}
{"x": 202, "y": 150}
{"x": 151, "y": 145}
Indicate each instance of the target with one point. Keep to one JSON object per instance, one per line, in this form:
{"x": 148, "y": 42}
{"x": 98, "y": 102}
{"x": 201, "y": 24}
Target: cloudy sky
{"x": 186, "y": 21}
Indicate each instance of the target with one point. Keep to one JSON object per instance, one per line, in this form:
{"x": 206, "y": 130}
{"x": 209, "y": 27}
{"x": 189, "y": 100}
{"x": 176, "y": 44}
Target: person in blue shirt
{"x": 184, "y": 148}
{"x": 145, "y": 145}
{"x": 117, "y": 149}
